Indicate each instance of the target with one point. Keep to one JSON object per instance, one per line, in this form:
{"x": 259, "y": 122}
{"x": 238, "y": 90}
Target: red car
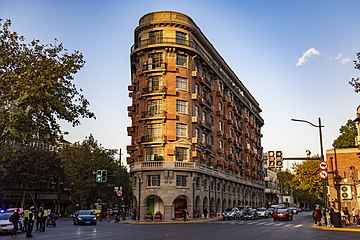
{"x": 283, "y": 213}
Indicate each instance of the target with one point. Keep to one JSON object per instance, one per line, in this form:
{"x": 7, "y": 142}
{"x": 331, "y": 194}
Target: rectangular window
{"x": 154, "y": 154}
{"x": 154, "y": 84}
{"x": 155, "y": 61}
{"x": 181, "y": 154}
{"x": 156, "y": 37}
{"x": 154, "y": 108}
{"x": 197, "y": 91}
{"x": 153, "y": 181}
{"x": 181, "y": 106}
{"x": 181, "y": 130}
{"x": 154, "y": 132}
{"x": 204, "y": 138}
{"x": 221, "y": 126}
{"x": 197, "y": 133}
{"x": 181, "y": 181}
{"x": 181, "y": 60}
{"x": 181, "y": 83}
{"x": 220, "y": 106}
{"x": 197, "y": 111}
{"x": 180, "y": 37}
{"x": 221, "y": 143}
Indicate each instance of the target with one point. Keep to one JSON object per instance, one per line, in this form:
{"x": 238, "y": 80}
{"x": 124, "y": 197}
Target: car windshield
{"x": 281, "y": 210}
{"x": 5, "y": 216}
{"x": 85, "y": 212}
{"x": 228, "y": 210}
{"x": 261, "y": 209}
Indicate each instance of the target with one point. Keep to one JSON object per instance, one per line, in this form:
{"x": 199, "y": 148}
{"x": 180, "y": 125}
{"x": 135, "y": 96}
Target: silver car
{"x": 231, "y": 213}
{"x": 263, "y": 212}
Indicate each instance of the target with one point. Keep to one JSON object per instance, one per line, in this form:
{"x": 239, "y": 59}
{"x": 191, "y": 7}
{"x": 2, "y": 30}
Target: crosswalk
{"x": 256, "y": 223}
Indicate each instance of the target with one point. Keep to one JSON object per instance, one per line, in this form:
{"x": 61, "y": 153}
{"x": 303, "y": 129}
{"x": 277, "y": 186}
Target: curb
{"x": 338, "y": 229}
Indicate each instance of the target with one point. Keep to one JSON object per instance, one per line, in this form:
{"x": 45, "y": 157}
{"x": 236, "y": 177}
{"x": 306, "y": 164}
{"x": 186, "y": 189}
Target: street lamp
{"x": 321, "y": 157}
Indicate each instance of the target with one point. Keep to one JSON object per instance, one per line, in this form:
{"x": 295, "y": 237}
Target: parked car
{"x": 6, "y": 226}
{"x": 262, "y": 212}
{"x": 84, "y": 217}
{"x": 283, "y": 213}
{"x": 231, "y": 213}
{"x": 250, "y": 213}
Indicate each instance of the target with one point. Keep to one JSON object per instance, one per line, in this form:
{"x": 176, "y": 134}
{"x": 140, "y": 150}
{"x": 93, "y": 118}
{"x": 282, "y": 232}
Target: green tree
{"x": 81, "y": 162}
{"x": 307, "y": 183}
{"x": 29, "y": 169}
{"x": 285, "y": 180}
{"x": 37, "y": 88}
{"x": 355, "y": 82}
{"x": 347, "y": 136}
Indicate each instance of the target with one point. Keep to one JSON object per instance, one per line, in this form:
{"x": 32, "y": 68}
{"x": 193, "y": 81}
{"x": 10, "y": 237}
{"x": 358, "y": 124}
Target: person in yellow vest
{"x": 43, "y": 220}
{"x": 30, "y": 222}
{"x": 26, "y": 218}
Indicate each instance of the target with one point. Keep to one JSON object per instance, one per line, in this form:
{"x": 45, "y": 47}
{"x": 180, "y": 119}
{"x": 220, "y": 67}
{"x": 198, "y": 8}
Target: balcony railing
{"x": 164, "y": 40}
{"x": 152, "y": 138}
{"x": 153, "y": 114}
{"x": 191, "y": 166}
{"x": 152, "y": 90}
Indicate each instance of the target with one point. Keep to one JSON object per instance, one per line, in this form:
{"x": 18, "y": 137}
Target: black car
{"x": 250, "y": 213}
{"x": 84, "y": 217}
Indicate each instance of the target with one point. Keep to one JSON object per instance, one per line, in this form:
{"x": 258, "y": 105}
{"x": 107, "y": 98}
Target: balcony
{"x": 163, "y": 165}
{"x": 153, "y": 115}
{"x": 153, "y": 91}
{"x": 157, "y": 66}
{"x": 149, "y": 139}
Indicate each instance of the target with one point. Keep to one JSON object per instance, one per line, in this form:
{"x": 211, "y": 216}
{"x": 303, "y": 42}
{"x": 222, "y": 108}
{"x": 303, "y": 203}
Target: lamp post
{"x": 321, "y": 157}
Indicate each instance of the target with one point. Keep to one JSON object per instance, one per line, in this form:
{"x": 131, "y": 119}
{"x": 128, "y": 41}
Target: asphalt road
{"x": 300, "y": 228}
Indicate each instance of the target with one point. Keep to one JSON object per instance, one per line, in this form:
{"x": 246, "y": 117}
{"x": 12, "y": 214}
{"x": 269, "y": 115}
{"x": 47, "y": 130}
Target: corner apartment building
{"x": 196, "y": 129}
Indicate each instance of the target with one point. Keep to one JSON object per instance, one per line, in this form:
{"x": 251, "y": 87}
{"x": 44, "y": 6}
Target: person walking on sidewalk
{"x": 318, "y": 215}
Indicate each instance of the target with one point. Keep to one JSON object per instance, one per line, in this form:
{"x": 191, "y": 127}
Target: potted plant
{"x": 158, "y": 216}
{"x": 148, "y": 216}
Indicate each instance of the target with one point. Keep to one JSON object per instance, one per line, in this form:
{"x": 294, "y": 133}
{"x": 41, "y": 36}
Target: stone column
{"x": 168, "y": 212}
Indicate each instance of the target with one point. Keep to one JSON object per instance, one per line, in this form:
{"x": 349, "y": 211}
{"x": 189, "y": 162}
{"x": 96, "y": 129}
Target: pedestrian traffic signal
{"x": 98, "y": 176}
{"x": 103, "y": 175}
{"x": 279, "y": 159}
{"x": 271, "y": 159}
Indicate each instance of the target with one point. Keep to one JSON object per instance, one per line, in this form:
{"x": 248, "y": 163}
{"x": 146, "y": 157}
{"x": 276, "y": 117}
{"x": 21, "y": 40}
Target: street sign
{"x": 323, "y": 165}
{"x": 118, "y": 191}
{"x": 323, "y": 174}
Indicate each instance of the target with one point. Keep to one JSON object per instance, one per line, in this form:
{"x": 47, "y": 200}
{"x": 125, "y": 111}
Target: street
{"x": 300, "y": 228}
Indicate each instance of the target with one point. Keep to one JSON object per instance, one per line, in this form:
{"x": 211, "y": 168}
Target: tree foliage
{"x": 355, "y": 82}
{"x": 36, "y": 88}
{"x": 307, "y": 183}
{"x": 81, "y": 162}
{"x": 347, "y": 136}
{"x": 28, "y": 168}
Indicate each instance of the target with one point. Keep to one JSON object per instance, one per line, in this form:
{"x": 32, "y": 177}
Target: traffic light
{"x": 345, "y": 191}
{"x": 271, "y": 158}
{"x": 103, "y": 175}
{"x": 98, "y": 176}
{"x": 279, "y": 159}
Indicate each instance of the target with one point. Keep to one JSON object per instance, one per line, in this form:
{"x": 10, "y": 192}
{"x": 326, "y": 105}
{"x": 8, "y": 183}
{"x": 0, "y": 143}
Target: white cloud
{"x": 309, "y": 53}
{"x": 341, "y": 59}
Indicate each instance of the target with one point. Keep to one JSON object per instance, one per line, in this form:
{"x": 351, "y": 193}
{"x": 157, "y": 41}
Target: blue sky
{"x": 295, "y": 57}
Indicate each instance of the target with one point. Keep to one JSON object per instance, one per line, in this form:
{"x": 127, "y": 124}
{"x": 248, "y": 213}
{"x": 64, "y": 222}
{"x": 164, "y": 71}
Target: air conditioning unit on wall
{"x": 345, "y": 192}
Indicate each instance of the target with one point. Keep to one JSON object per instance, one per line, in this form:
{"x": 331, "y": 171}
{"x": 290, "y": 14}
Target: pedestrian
{"x": 40, "y": 220}
{"x": 185, "y": 214}
{"x": 30, "y": 222}
{"x": 314, "y": 216}
{"x": 108, "y": 215}
{"x": 353, "y": 216}
{"x": 331, "y": 213}
{"x": 15, "y": 219}
{"x": 346, "y": 216}
{"x": 318, "y": 215}
{"x": 134, "y": 214}
{"x": 205, "y": 213}
{"x": 26, "y": 218}
{"x": 43, "y": 220}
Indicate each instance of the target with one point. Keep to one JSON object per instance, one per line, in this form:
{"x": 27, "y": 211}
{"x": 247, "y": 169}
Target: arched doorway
{"x": 179, "y": 205}
{"x": 198, "y": 209}
{"x": 212, "y": 208}
{"x": 154, "y": 204}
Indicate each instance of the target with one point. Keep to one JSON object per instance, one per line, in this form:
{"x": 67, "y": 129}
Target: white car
{"x": 6, "y": 226}
{"x": 263, "y": 212}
